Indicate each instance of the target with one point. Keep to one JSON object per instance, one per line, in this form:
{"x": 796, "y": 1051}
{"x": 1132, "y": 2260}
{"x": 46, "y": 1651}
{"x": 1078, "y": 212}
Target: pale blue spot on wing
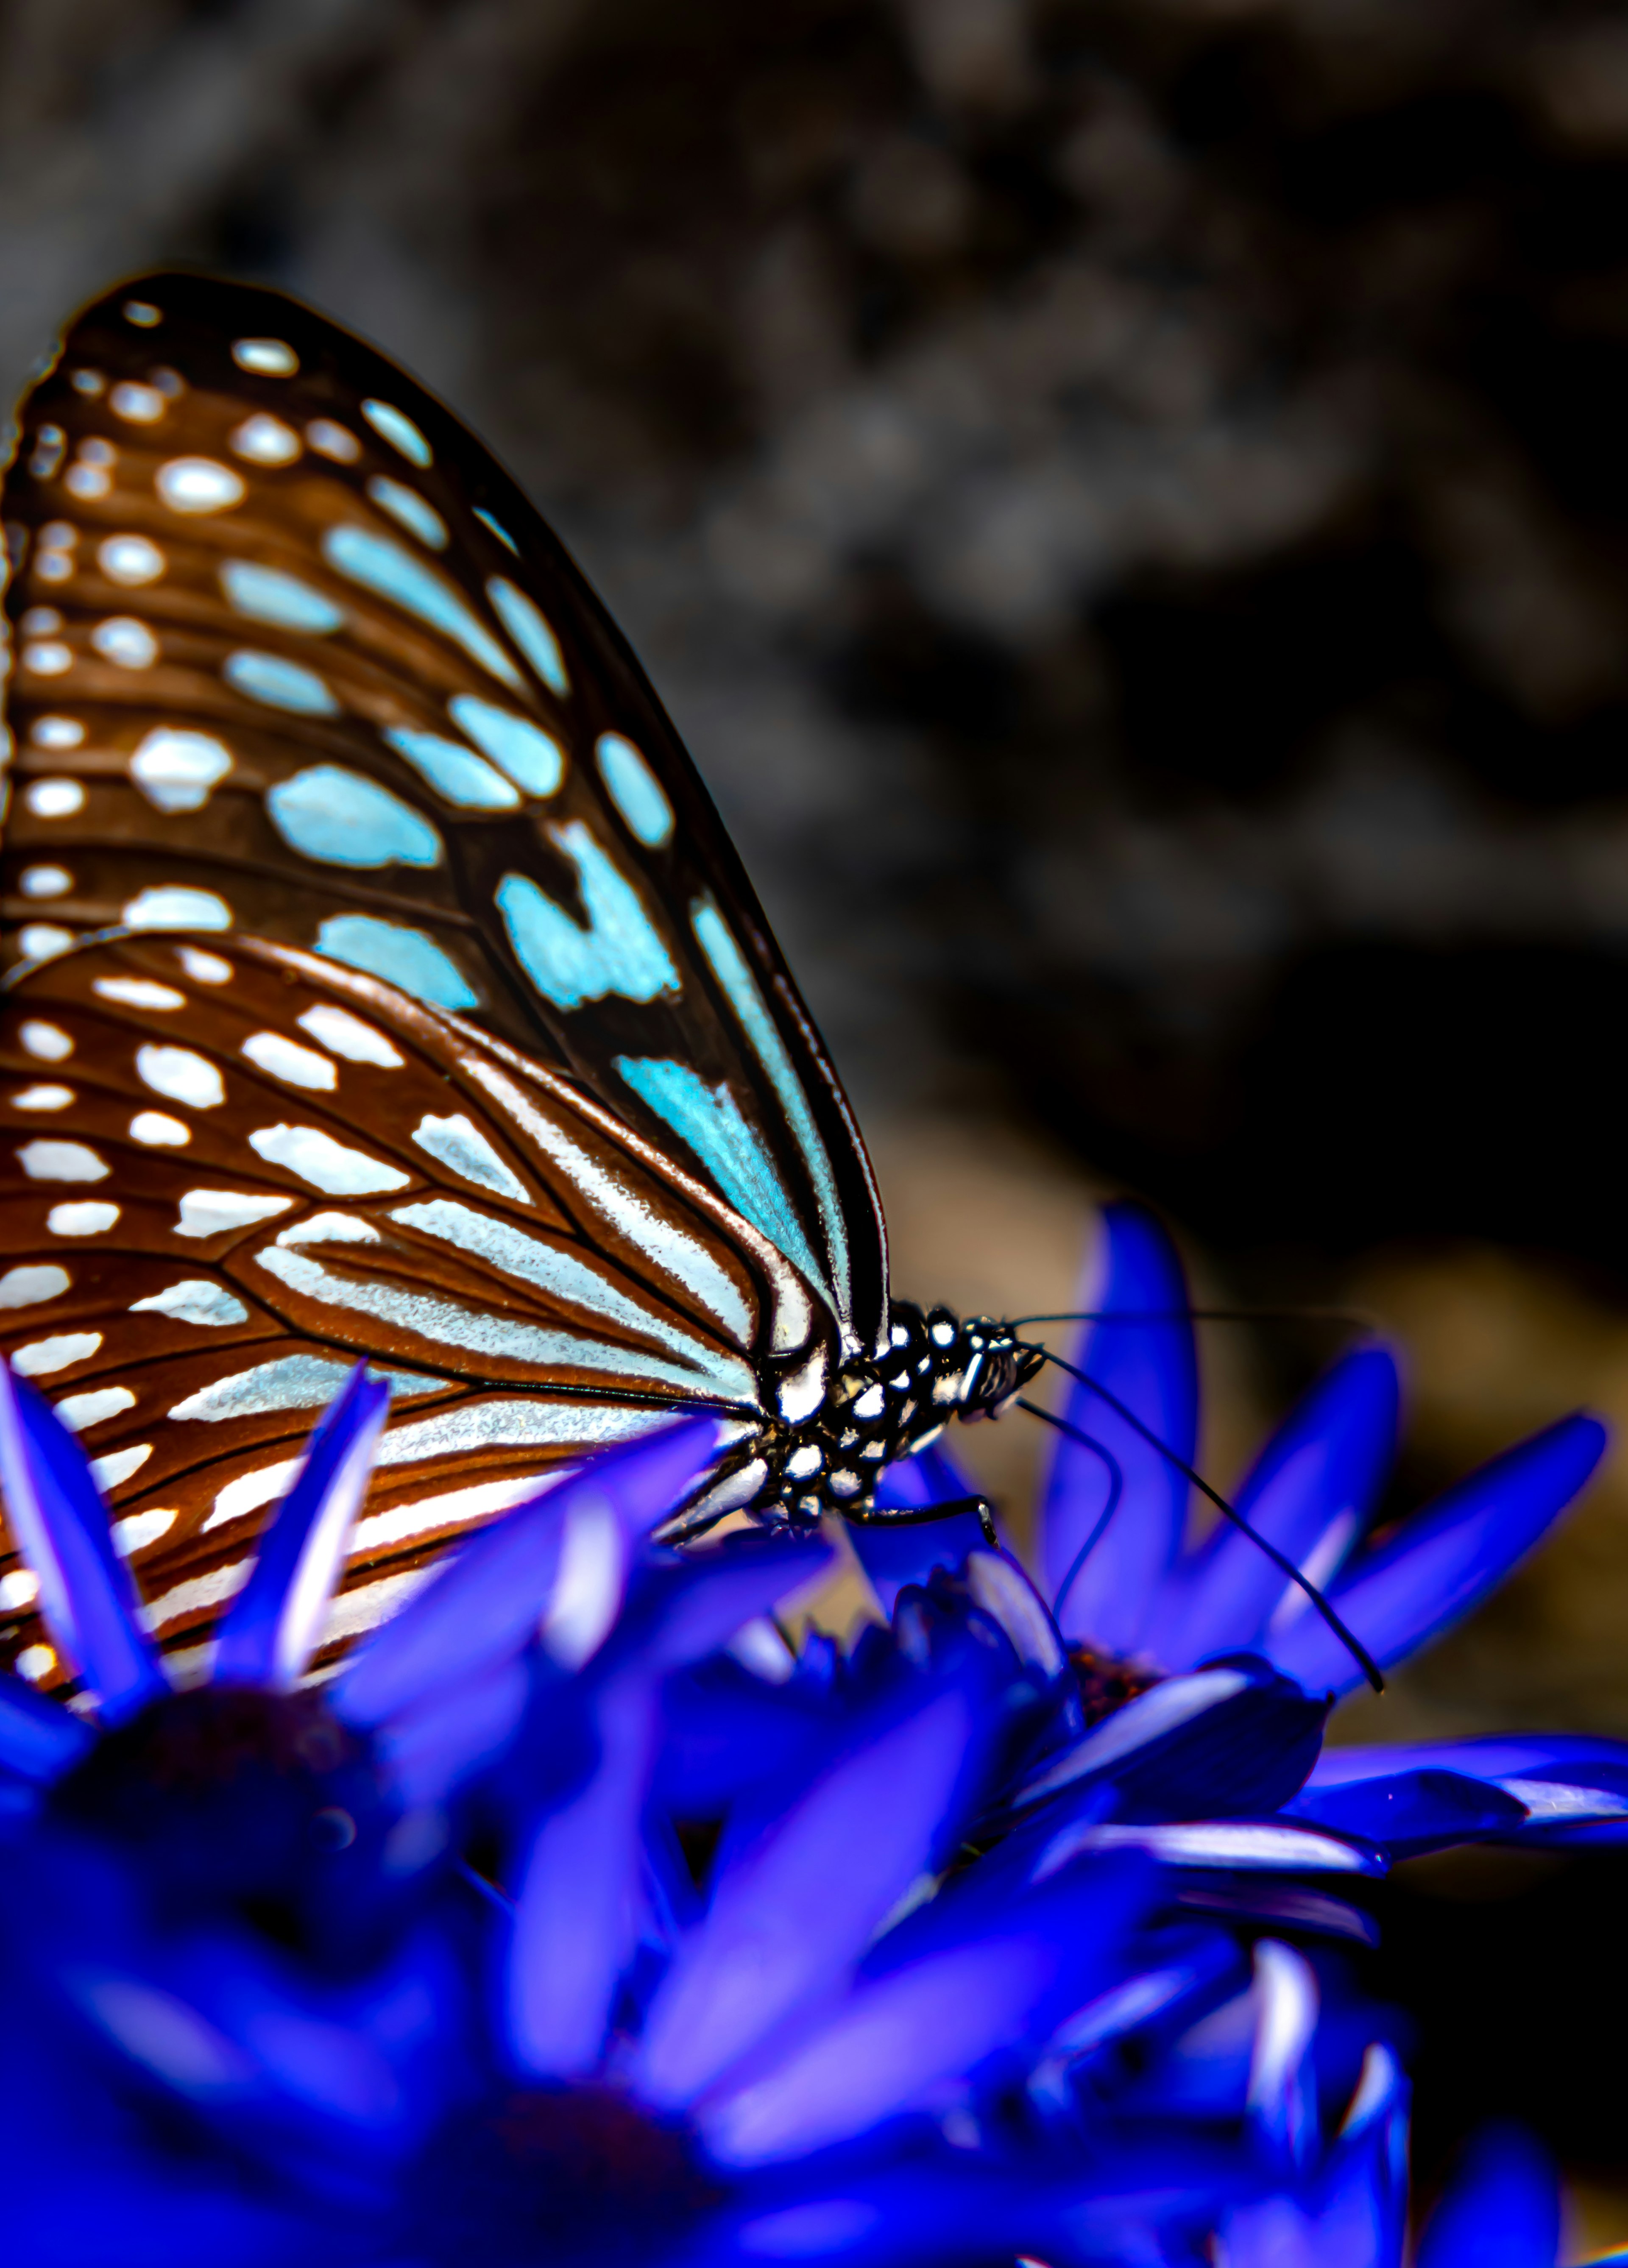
{"x": 635, "y": 790}
{"x": 531, "y": 759}
{"x": 403, "y": 957}
{"x": 618, "y": 951}
{"x": 279, "y": 683}
{"x": 381, "y": 564}
{"x": 453, "y": 771}
{"x": 729, "y": 966}
{"x": 529, "y": 629}
{"x": 419, "y": 517}
{"x": 498, "y": 529}
{"x": 732, "y": 1153}
{"x": 397, "y": 427}
{"x": 269, "y": 596}
{"x": 346, "y": 820}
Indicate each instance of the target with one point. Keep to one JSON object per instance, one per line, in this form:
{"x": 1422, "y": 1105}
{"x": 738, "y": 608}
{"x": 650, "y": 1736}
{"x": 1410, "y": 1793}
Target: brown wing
{"x": 295, "y": 656}
{"x": 228, "y": 1168}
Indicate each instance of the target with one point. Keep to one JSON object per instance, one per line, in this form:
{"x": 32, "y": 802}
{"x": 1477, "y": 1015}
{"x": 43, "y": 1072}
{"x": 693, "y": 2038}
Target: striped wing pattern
{"x": 229, "y": 1167}
{"x": 294, "y": 657}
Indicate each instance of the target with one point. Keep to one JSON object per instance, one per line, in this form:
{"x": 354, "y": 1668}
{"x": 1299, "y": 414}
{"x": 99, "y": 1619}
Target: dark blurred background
{"x": 1130, "y": 505}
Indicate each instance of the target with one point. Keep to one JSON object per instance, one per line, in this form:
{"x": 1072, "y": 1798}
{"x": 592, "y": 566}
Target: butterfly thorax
{"x": 884, "y": 1408}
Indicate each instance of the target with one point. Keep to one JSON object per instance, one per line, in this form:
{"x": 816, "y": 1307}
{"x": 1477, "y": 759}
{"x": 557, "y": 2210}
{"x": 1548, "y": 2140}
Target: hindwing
{"x": 228, "y": 1168}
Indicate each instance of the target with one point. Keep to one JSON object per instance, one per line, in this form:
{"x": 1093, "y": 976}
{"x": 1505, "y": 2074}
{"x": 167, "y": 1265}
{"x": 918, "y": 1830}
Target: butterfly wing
{"x": 228, "y": 1168}
{"x": 297, "y": 659}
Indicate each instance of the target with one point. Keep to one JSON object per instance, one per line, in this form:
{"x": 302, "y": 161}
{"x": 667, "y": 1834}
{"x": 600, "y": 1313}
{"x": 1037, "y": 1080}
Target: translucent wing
{"x": 228, "y": 1168}
{"x": 295, "y": 657}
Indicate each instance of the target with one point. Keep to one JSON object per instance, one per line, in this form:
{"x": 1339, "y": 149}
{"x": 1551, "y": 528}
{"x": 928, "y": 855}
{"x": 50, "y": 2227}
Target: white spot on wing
{"x": 84, "y": 1219}
{"x": 40, "y": 940}
{"x": 130, "y": 559}
{"x": 28, "y": 1286}
{"x": 210, "y": 1212}
{"x": 198, "y": 484}
{"x": 137, "y": 992}
{"x": 334, "y": 441}
{"x": 330, "y": 1228}
{"x": 118, "y": 1466}
{"x": 349, "y": 1037}
{"x": 250, "y": 1491}
{"x": 19, "y": 1589}
{"x": 176, "y": 770}
{"x": 459, "y": 1143}
{"x": 328, "y": 1165}
{"x": 54, "y": 798}
{"x": 159, "y": 1130}
{"x": 43, "y": 1098}
{"x": 60, "y": 1161}
{"x": 196, "y": 1596}
{"x": 266, "y": 358}
{"x": 55, "y": 733}
{"x": 41, "y": 1357}
{"x": 194, "y": 1299}
{"x": 47, "y": 1042}
{"x": 172, "y": 906}
{"x": 126, "y": 642}
{"x": 78, "y": 1412}
{"x": 181, "y": 1075}
{"x": 204, "y": 967}
{"x": 286, "y": 1059}
{"x": 290, "y": 1381}
{"x": 138, "y": 1530}
{"x": 266, "y": 441}
{"x": 35, "y": 1662}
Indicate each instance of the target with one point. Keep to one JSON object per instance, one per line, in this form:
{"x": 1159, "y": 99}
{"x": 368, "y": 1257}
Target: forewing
{"x": 228, "y": 1169}
{"x": 295, "y": 657}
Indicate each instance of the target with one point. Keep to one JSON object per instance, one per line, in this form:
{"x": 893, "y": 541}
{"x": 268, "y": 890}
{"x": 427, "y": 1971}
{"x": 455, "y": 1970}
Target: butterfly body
{"x": 382, "y": 981}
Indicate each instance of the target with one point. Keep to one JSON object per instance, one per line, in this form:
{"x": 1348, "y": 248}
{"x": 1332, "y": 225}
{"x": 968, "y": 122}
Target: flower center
{"x": 1105, "y": 1683}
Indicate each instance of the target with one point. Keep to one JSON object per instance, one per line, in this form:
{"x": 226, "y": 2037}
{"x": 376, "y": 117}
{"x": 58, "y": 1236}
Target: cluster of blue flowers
{"x": 580, "y": 1916}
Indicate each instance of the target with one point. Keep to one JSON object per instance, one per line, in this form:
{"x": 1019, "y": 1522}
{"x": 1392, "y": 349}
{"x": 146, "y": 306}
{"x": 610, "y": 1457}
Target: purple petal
{"x": 1412, "y": 1812}
{"x": 883, "y": 2048}
{"x": 1445, "y": 1559}
{"x": 1106, "y": 1598}
{"x": 277, "y": 1618}
{"x": 429, "y": 1750}
{"x": 795, "y": 1910}
{"x": 1492, "y": 1756}
{"x": 931, "y": 1477}
{"x": 39, "y": 1738}
{"x": 1501, "y": 2211}
{"x": 60, "y": 1523}
{"x": 486, "y": 1603}
{"x": 1282, "y": 2103}
{"x": 713, "y": 1595}
{"x": 893, "y": 1556}
{"x": 1231, "y": 1843}
{"x": 1310, "y": 1493}
{"x": 577, "y": 1919}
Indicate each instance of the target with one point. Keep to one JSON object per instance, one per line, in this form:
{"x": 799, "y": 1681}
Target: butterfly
{"x": 382, "y": 982}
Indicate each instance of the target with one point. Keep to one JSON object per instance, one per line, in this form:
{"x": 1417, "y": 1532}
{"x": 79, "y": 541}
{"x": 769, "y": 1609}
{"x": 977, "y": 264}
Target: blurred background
{"x": 1129, "y": 503}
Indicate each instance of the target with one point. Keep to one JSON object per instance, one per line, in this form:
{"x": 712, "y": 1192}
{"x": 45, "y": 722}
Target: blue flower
{"x": 1190, "y": 1680}
{"x": 428, "y": 1964}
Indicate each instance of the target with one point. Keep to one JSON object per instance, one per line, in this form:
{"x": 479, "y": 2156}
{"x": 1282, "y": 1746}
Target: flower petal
{"x": 1444, "y": 1560}
{"x": 275, "y": 1620}
{"x": 1146, "y": 1361}
{"x": 798, "y": 1907}
{"x": 1502, "y": 2209}
{"x": 39, "y": 1738}
{"x": 488, "y": 1600}
{"x": 1412, "y": 1812}
{"x": 1311, "y": 1492}
{"x": 86, "y": 1594}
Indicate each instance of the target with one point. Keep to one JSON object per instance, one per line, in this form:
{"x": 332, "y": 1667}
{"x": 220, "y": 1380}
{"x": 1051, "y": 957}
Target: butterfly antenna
{"x": 1116, "y": 1490}
{"x": 1348, "y": 1639}
{"x": 1358, "y": 1317}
